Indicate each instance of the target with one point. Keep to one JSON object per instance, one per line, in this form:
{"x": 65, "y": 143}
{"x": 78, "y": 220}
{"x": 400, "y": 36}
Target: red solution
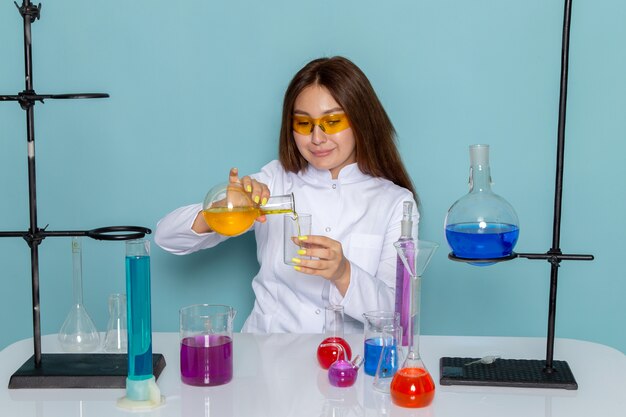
{"x": 412, "y": 388}
{"x": 328, "y": 351}
{"x": 206, "y": 360}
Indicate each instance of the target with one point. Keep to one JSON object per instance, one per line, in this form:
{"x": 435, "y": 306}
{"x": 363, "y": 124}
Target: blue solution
{"x": 373, "y": 349}
{"x": 139, "y": 322}
{"x": 469, "y": 241}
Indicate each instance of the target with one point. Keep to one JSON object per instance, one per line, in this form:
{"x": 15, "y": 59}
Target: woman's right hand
{"x": 258, "y": 191}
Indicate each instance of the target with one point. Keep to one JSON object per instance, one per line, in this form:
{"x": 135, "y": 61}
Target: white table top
{"x": 277, "y": 375}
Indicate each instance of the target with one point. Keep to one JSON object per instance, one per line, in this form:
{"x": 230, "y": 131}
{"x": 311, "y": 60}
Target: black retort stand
{"x": 529, "y": 373}
{"x": 70, "y": 370}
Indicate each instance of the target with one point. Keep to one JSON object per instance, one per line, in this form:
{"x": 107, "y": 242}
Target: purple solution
{"x": 206, "y": 360}
{"x": 342, "y": 373}
{"x": 470, "y": 241}
{"x": 403, "y": 290}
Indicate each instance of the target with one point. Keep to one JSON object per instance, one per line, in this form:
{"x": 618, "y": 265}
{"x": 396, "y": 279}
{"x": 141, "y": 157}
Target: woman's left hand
{"x": 330, "y": 263}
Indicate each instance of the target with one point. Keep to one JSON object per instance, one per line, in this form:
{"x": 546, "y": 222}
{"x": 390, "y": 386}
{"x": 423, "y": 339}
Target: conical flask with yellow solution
{"x": 229, "y": 210}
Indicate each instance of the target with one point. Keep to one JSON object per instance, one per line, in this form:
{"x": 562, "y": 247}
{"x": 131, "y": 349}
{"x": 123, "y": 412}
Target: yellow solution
{"x": 231, "y": 222}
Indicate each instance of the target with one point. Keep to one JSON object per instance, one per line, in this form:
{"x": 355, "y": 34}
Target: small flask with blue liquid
{"x": 481, "y": 225}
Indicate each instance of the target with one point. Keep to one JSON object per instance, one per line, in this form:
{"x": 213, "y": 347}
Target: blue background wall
{"x": 196, "y": 88}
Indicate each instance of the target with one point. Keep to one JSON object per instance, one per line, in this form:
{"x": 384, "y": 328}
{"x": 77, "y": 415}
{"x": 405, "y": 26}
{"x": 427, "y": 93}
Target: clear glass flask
{"x": 78, "y": 332}
{"x": 116, "y": 340}
{"x": 334, "y": 345}
{"x": 481, "y": 225}
{"x": 229, "y": 210}
{"x": 412, "y": 386}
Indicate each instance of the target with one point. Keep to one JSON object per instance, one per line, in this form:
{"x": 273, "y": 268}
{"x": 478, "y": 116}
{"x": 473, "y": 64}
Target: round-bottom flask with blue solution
{"x": 481, "y": 225}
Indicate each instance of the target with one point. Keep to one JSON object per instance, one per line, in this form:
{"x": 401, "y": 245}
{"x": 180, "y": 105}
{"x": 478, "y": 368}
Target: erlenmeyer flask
{"x": 481, "y": 225}
{"x": 391, "y": 357}
{"x": 78, "y": 332}
{"x": 412, "y": 386}
{"x": 116, "y": 339}
{"x": 229, "y": 210}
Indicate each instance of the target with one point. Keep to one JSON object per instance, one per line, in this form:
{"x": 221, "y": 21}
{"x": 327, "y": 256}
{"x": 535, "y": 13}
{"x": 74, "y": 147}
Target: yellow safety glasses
{"x": 330, "y": 124}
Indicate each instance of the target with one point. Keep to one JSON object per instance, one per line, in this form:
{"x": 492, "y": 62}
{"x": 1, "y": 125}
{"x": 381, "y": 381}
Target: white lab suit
{"x": 358, "y": 210}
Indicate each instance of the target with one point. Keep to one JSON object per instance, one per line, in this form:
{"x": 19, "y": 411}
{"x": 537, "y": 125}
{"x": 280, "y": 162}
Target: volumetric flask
{"x": 78, "y": 332}
{"x": 375, "y": 321}
{"x": 206, "y": 344}
{"x": 229, "y": 210}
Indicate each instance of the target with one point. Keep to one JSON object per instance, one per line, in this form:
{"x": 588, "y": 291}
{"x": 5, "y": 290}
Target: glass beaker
{"x": 375, "y": 321}
{"x": 412, "y": 386}
{"x": 481, "y": 224}
{"x": 116, "y": 338}
{"x": 334, "y": 344}
{"x": 78, "y": 332}
{"x": 206, "y": 344}
{"x": 294, "y": 226}
{"x": 391, "y": 357}
{"x": 229, "y": 210}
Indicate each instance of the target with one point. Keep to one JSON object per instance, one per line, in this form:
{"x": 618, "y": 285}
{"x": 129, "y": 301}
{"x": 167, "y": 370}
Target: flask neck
{"x": 480, "y": 179}
{"x": 279, "y": 204}
{"x": 334, "y": 321}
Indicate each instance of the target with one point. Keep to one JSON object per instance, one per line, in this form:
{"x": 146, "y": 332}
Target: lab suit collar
{"x": 348, "y": 175}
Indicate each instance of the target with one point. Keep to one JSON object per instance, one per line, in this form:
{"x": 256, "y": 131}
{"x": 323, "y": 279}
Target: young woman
{"x": 337, "y": 155}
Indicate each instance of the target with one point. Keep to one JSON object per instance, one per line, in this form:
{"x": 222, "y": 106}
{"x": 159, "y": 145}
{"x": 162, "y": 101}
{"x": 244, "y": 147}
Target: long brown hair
{"x": 375, "y": 136}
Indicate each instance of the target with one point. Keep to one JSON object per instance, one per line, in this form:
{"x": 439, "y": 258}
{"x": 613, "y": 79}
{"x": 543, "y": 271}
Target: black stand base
{"x": 522, "y": 373}
{"x": 78, "y": 370}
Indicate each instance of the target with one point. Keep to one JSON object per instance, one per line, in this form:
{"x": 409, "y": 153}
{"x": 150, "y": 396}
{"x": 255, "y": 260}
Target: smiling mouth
{"x": 322, "y": 153}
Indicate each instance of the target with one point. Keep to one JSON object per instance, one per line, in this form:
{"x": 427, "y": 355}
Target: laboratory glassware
{"x": 141, "y": 388}
{"x": 206, "y": 344}
{"x": 412, "y": 385}
{"x": 78, "y": 332}
{"x": 116, "y": 338}
{"x": 481, "y": 225}
{"x": 343, "y": 373}
{"x": 375, "y": 321}
{"x": 403, "y": 277}
{"x": 328, "y": 351}
{"x": 391, "y": 357}
{"x": 229, "y": 210}
{"x": 295, "y": 225}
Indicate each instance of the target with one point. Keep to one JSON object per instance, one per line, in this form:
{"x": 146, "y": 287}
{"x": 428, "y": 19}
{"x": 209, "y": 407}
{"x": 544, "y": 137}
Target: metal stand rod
{"x": 558, "y": 187}
{"x": 554, "y": 255}
{"x": 28, "y": 14}
{"x": 34, "y": 235}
